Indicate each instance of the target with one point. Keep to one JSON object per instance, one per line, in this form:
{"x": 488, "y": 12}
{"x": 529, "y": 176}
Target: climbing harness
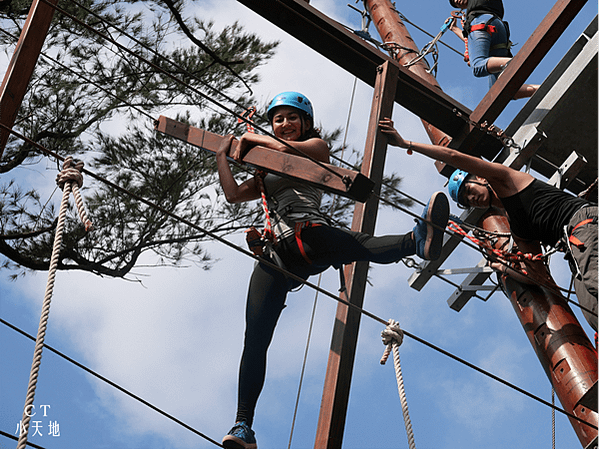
{"x": 392, "y": 337}
{"x": 298, "y": 237}
{"x": 480, "y": 27}
{"x": 69, "y": 180}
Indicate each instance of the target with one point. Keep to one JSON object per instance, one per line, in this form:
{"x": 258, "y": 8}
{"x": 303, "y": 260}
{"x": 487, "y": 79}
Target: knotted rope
{"x": 393, "y": 337}
{"x": 69, "y": 179}
{"x": 504, "y": 254}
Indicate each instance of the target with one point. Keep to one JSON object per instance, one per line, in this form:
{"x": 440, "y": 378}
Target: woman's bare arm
{"x": 234, "y": 193}
{"x": 504, "y": 180}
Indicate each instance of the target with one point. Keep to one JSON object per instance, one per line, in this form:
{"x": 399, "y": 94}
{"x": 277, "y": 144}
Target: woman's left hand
{"x": 386, "y": 127}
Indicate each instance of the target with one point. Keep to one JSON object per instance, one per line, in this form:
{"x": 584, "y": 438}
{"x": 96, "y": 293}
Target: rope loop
{"x": 70, "y": 173}
{"x": 391, "y": 335}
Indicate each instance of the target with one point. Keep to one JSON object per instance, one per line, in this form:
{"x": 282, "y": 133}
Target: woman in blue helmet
{"x": 537, "y": 211}
{"x": 488, "y": 40}
{"x": 305, "y": 243}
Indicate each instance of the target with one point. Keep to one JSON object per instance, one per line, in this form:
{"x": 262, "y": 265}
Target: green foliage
{"x": 94, "y": 100}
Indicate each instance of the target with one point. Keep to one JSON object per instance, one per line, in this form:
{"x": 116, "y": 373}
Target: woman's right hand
{"x": 225, "y": 146}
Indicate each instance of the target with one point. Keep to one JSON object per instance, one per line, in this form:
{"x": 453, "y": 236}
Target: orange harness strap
{"x": 484, "y": 27}
{"x": 298, "y": 237}
{"x": 575, "y": 240}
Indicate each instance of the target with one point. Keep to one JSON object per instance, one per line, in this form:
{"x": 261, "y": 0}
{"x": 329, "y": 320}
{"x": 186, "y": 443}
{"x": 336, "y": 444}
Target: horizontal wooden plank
{"x": 336, "y": 180}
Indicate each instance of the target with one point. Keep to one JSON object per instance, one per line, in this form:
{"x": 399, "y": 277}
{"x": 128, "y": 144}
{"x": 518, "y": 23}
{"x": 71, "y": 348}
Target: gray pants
{"x": 584, "y": 260}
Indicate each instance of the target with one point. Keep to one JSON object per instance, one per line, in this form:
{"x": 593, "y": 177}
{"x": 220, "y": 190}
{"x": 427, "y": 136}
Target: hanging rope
{"x": 69, "y": 179}
{"x": 552, "y": 419}
{"x": 393, "y": 337}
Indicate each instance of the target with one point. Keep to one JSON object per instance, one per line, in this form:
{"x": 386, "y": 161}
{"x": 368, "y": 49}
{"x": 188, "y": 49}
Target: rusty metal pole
{"x": 392, "y": 30}
{"x": 561, "y": 344}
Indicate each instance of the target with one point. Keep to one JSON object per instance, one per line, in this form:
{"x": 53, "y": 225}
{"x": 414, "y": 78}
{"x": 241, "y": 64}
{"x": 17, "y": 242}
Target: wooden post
{"x": 333, "y": 409}
{"x": 24, "y": 59}
{"x": 561, "y": 344}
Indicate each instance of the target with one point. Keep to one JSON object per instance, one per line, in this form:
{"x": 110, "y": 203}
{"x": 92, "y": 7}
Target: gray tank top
{"x": 291, "y": 202}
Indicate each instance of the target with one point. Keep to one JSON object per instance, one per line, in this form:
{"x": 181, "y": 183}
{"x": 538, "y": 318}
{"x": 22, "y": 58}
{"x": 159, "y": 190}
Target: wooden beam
{"x": 518, "y": 70}
{"x": 361, "y": 59}
{"x": 335, "y": 396}
{"x": 335, "y": 180}
{"x": 21, "y": 66}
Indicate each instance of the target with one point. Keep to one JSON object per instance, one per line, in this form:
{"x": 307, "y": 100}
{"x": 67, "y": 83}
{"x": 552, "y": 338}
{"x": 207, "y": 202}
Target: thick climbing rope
{"x": 392, "y": 336}
{"x": 69, "y": 180}
{"x": 268, "y": 234}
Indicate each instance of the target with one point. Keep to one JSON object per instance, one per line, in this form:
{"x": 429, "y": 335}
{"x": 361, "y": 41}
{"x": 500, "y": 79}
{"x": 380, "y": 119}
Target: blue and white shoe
{"x": 240, "y": 437}
{"x": 429, "y": 238}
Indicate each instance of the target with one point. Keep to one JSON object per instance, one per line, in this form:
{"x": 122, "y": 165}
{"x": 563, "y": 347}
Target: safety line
{"x": 405, "y": 19}
{"x": 112, "y": 384}
{"x": 7, "y": 435}
{"x": 555, "y": 289}
{"x": 301, "y": 381}
{"x": 295, "y": 277}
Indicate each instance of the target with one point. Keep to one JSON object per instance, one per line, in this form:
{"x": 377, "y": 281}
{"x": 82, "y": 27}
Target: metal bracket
{"x": 568, "y": 170}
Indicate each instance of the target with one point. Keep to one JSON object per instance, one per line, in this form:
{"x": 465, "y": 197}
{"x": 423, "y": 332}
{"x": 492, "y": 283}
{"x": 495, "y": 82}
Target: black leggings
{"x": 325, "y": 246}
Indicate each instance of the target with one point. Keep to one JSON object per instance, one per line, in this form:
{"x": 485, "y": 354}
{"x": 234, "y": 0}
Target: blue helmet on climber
{"x": 456, "y": 182}
{"x": 292, "y": 99}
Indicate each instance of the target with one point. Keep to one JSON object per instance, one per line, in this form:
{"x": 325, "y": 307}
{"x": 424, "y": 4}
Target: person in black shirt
{"x": 488, "y": 40}
{"x": 537, "y": 212}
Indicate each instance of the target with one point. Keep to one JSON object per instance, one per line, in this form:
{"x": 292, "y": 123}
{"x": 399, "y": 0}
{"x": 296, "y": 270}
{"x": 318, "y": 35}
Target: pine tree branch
{"x": 189, "y": 34}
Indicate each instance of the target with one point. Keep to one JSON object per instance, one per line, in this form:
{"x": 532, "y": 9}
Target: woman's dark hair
{"x": 312, "y": 132}
{"x": 452, "y": 3}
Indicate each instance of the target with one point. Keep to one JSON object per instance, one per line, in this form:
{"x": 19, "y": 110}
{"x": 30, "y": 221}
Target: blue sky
{"x": 176, "y": 339}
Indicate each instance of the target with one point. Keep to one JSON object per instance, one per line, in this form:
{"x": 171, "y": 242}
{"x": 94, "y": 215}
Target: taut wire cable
{"x": 69, "y": 179}
{"x": 111, "y": 383}
{"x": 295, "y": 277}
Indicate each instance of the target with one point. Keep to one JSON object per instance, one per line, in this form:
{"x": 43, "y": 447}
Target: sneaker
{"x": 428, "y": 238}
{"x": 240, "y": 437}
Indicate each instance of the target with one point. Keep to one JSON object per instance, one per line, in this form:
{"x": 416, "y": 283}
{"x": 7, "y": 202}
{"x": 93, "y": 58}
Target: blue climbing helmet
{"x": 456, "y": 181}
{"x": 293, "y": 99}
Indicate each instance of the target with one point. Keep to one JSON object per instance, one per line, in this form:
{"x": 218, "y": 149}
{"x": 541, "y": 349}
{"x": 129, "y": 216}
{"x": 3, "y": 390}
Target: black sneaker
{"x": 240, "y": 437}
{"x": 428, "y": 238}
